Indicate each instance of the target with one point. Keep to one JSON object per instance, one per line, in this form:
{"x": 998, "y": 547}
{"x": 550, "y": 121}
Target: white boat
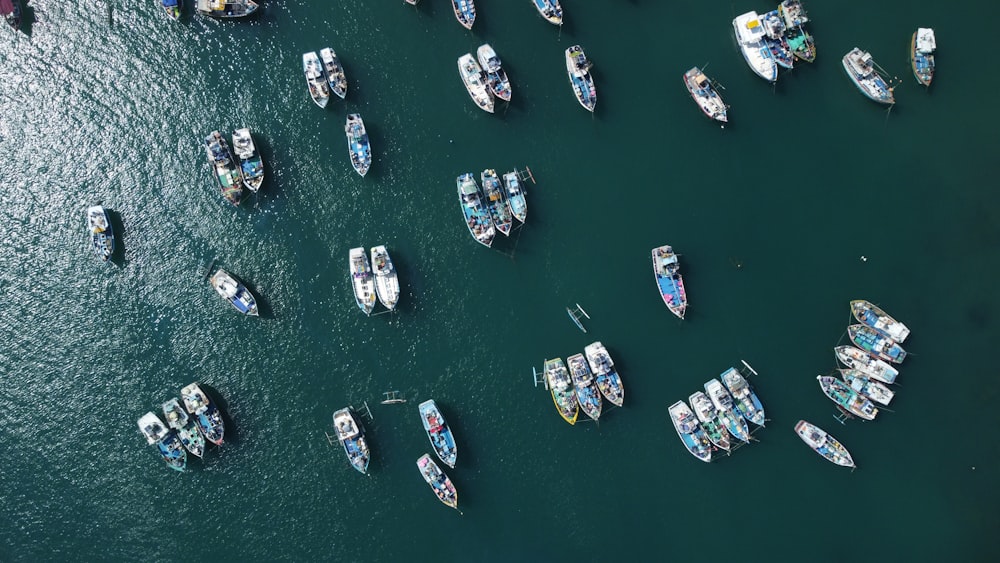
{"x": 102, "y": 239}
{"x": 475, "y": 82}
{"x": 315, "y": 79}
{"x": 689, "y": 431}
{"x": 230, "y": 289}
{"x": 178, "y": 419}
{"x": 251, "y": 164}
{"x": 496, "y": 76}
{"x": 386, "y": 281}
{"x": 867, "y": 386}
{"x": 860, "y": 68}
{"x": 578, "y": 70}
{"x": 362, "y": 280}
{"x": 705, "y": 94}
{"x": 335, "y": 76}
{"x": 226, "y": 8}
{"x": 550, "y": 10}
{"x": 824, "y": 444}
{"x": 855, "y": 358}
{"x": 750, "y": 37}
{"x": 871, "y": 315}
{"x": 730, "y": 418}
{"x": 603, "y": 368}
{"x": 515, "y": 196}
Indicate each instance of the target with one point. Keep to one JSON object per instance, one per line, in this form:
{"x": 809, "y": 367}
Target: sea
{"x": 810, "y": 196}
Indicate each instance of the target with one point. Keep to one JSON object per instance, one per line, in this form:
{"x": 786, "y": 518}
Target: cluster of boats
{"x": 717, "y": 416}
{"x": 231, "y": 174}
{"x": 494, "y": 207}
{"x": 186, "y": 429}
{"x": 774, "y": 39}
{"x": 590, "y": 376}
{"x": 484, "y": 77}
{"x": 373, "y": 278}
{"x": 667, "y": 271}
{"x": 870, "y": 78}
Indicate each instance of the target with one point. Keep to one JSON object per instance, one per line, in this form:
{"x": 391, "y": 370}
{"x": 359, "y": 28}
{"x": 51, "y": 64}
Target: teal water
{"x": 771, "y": 215}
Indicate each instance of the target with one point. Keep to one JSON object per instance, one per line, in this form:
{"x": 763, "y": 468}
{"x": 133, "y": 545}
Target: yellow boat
{"x": 561, "y": 386}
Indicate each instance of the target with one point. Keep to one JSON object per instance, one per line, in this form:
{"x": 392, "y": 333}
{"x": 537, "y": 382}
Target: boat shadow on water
{"x": 118, "y": 228}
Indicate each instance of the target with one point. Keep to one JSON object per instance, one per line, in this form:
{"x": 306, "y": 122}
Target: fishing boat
{"x": 465, "y": 11}
{"x": 860, "y": 68}
{"x": 225, "y": 171}
{"x": 386, "y": 280}
{"x": 357, "y": 143}
{"x": 750, "y": 37}
{"x": 227, "y": 8}
{"x": 362, "y": 280}
{"x": 335, "y": 76}
{"x": 708, "y": 416}
{"x": 587, "y": 393}
{"x": 319, "y": 89}
{"x": 744, "y": 397}
{"x": 251, "y": 163}
{"x": 515, "y": 196}
{"x": 172, "y": 7}
{"x": 871, "y": 315}
{"x": 666, "y": 269}
{"x": 235, "y": 292}
{"x": 857, "y": 359}
{"x": 561, "y": 386}
{"x": 102, "y": 238}
{"x": 165, "y": 439}
{"x": 846, "y": 398}
{"x": 351, "y": 435}
{"x": 206, "y": 414}
{"x": 875, "y": 343}
{"x": 496, "y": 76}
{"x": 550, "y": 10}
{"x": 11, "y": 11}
{"x": 723, "y": 402}
{"x": 873, "y": 389}
{"x": 774, "y": 38}
{"x": 578, "y": 69}
{"x": 495, "y": 198}
{"x": 823, "y": 444}
{"x": 443, "y": 489}
{"x": 178, "y": 419}
{"x": 438, "y": 433}
{"x": 689, "y": 431}
{"x": 603, "y": 368}
{"x": 705, "y": 94}
{"x": 922, "y": 47}
{"x": 475, "y": 82}
{"x": 477, "y": 218}
{"x": 799, "y": 40}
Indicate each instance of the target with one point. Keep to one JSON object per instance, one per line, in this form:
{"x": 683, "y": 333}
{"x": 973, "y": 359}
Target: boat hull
{"x": 561, "y": 388}
{"x": 824, "y": 444}
{"x": 439, "y": 433}
{"x": 439, "y": 482}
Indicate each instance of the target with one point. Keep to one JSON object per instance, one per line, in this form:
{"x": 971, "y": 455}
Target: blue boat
{"x": 439, "y": 433}
{"x": 495, "y": 199}
{"x": 876, "y": 343}
{"x": 172, "y": 7}
{"x": 587, "y": 393}
{"x": 578, "y": 69}
{"x": 357, "y": 143}
{"x": 603, "y": 368}
{"x": 860, "y": 68}
{"x": 515, "y": 196}
{"x": 550, "y": 10}
{"x": 351, "y": 435}
{"x": 666, "y": 268}
{"x": 745, "y": 399}
{"x": 465, "y": 11}
{"x": 691, "y": 433}
{"x": 774, "y": 38}
{"x": 922, "y": 47}
{"x": 477, "y": 219}
{"x": 166, "y": 441}
{"x": 206, "y": 415}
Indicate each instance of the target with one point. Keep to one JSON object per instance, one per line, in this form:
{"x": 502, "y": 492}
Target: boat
{"x": 386, "y": 280}
{"x": 438, "y": 433}
{"x": 412, "y": 2}
{"x": 495, "y": 199}
{"x": 689, "y": 431}
{"x": 187, "y": 431}
{"x": 439, "y": 482}
{"x": 666, "y": 268}
{"x": 708, "y": 416}
{"x": 235, "y": 292}
{"x": 351, "y": 435}
{"x": 319, "y": 89}
{"x": 745, "y": 399}
{"x": 475, "y": 82}
{"x": 750, "y": 37}
{"x": 334, "y": 70}
{"x": 869, "y": 387}
{"x": 603, "y": 368}
{"x": 550, "y": 10}
{"x": 477, "y": 219}
{"x": 723, "y": 402}
{"x": 860, "y": 68}
{"x": 578, "y": 69}
{"x": 357, "y": 143}
{"x": 102, "y": 237}
{"x": 876, "y": 344}
{"x": 561, "y": 386}
{"x": 11, "y": 11}
{"x": 362, "y": 280}
{"x": 251, "y": 164}
{"x": 846, "y": 398}
{"x": 225, "y": 171}
{"x": 206, "y": 414}
{"x": 172, "y": 7}
{"x": 774, "y": 38}
{"x": 587, "y": 393}
{"x": 869, "y": 314}
{"x": 824, "y": 444}
{"x": 465, "y": 12}
{"x": 165, "y": 439}
{"x": 922, "y": 47}
{"x": 227, "y": 8}
{"x": 705, "y": 94}
{"x": 855, "y": 358}
{"x": 496, "y": 76}
{"x": 800, "y": 41}
{"x": 515, "y": 196}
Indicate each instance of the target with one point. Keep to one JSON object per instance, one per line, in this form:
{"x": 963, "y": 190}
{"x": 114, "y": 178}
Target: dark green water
{"x": 808, "y": 177}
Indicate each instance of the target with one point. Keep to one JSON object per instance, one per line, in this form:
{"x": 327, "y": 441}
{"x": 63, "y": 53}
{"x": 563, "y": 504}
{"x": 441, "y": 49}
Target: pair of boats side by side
{"x": 485, "y": 79}
{"x": 186, "y": 429}
{"x": 869, "y": 78}
{"x": 230, "y": 174}
{"x": 373, "y": 278}
{"x": 590, "y": 376}
{"x": 492, "y": 208}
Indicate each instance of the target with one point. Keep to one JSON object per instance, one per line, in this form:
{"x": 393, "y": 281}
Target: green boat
{"x": 226, "y": 172}
{"x": 708, "y": 416}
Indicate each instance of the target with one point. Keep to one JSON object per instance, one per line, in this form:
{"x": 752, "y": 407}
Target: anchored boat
{"x": 669, "y": 281}
{"x": 690, "y": 433}
{"x": 550, "y": 10}
{"x": 587, "y": 393}
{"x": 319, "y": 89}
{"x": 496, "y": 201}
{"x": 465, "y": 12}
{"x": 869, "y": 314}
{"x": 876, "y": 344}
{"x": 230, "y": 289}
{"x": 578, "y": 69}
{"x": 874, "y": 390}
{"x": 708, "y": 416}
{"x": 922, "y": 48}
{"x": 705, "y": 94}
{"x": 515, "y": 196}
{"x": 730, "y": 419}
{"x": 357, "y": 144}
{"x": 750, "y": 37}
{"x": 166, "y": 441}
{"x": 439, "y": 482}
{"x": 335, "y": 77}
{"x": 857, "y": 359}
{"x": 177, "y": 418}
{"x": 860, "y": 68}
{"x": 351, "y": 436}
{"x": 206, "y": 414}
{"x": 561, "y": 386}
{"x": 746, "y": 400}
{"x": 102, "y": 239}
{"x": 438, "y": 432}
{"x": 475, "y": 82}
{"x": 362, "y": 280}
{"x": 824, "y": 444}
{"x": 799, "y": 40}
{"x": 386, "y": 281}
{"x": 846, "y": 398}
{"x": 496, "y": 76}
{"x": 227, "y": 8}
{"x": 226, "y": 173}
{"x": 251, "y": 164}
{"x": 774, "y": 38}
{"x": 477, "y": 219}
{"x": 603, "y": 368}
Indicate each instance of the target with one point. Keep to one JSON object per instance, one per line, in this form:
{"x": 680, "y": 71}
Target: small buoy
{"x": 864, "y": 258}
